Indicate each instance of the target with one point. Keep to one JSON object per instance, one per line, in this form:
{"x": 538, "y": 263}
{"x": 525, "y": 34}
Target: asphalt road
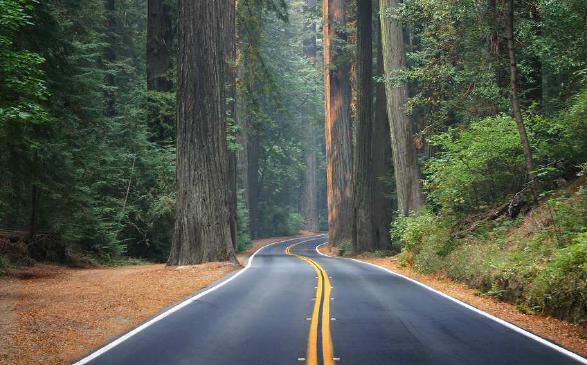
{"x": 300, "y": 307}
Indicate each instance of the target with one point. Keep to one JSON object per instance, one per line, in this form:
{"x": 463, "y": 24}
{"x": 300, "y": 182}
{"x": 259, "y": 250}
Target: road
{"x": 292, "y": 305}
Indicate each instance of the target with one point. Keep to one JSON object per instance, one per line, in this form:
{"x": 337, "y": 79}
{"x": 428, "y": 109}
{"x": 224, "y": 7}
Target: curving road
{"x": 292, "y": 305}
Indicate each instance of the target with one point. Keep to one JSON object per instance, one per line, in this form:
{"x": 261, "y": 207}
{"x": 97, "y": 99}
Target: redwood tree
{"x": 409, "y": 193}
{"x": 337, "y": 98}
{"x": 364, "y": 179}
{"x": 202, "y": 222}
{"x": 309, "y": 203}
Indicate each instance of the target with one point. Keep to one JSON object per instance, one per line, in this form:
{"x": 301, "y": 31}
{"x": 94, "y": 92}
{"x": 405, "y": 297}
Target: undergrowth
{"x": 538, "y": 262}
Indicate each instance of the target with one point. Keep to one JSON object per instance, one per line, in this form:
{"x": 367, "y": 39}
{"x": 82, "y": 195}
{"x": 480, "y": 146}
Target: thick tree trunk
{"x": 309, "y": 202}
{"x": 159, "y": 42}
{"x": 337, "y": 97}
{"x": 364, "y": 179}
{"x": 202, "y": 222}
{"x": 383, "y": 204}
{"x": 514, "y": 88}
{"x": 409, "y": 193}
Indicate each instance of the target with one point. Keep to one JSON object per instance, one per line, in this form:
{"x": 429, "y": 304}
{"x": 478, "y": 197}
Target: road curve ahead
{"x": 292, "y": 305}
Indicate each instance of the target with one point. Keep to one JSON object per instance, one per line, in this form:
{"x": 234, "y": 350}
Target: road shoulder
{"x": 55, "y": 315}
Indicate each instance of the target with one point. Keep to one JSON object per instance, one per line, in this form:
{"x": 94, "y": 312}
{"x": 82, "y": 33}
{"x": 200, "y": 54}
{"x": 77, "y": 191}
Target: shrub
{"x": 415, "y": 231}
{"x": 561, "y": 287}
{"x": 476, "y": 167}
{"x": 242, "y": 223}
{"x": 294, "y": 223}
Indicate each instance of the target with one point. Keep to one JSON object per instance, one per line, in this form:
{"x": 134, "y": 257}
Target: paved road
{"x": 275, "y": 312}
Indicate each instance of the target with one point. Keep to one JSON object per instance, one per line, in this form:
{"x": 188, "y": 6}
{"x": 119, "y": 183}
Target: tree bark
{"x": 229, "y": 42}
{"x": 383, "y": 204}
{"x": 309, "y": 202}
{"x": 253, "y": 149}
{"x": 409, "y": 193}
{"x": 159, "y": 42}
{"x": 514, "y": 88}
{"x": 202, "y": 223}
{"x": 364, "y": 179}
{"x": 337, "y": 97}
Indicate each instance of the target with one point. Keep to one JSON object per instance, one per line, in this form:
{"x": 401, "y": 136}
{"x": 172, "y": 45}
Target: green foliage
{"x": 539, "y": 263}
{"x": 424, "y": 236}
{"x": 345, "y": 248}
{"x": 561, "y": 286}
{"x": 483, "y": 165}
{"x": 242, "y": 223}
{"x": 82, "y": 135}
{"x": 294, "y": 223}
{"x": 476, "y": 167}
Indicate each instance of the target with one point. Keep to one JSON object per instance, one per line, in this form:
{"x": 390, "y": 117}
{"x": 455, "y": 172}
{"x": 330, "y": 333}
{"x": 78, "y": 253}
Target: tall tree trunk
{"x": 407, "y": 181}
{"x": 229, "y": 42}
{"x": 159, "y": 42}
{"x": 364, "y": 179}
{"x": 202, "y": 229}
{"x": 309, "y": 203}
{"x": 253, "y": 149}
{"x": 337, "y": 97}
{"x": 514, "y": 88}
{"x": 383, "y": 205}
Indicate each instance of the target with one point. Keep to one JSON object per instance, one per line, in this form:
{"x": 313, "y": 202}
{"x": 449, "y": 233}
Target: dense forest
{"x": 451, "y": 132}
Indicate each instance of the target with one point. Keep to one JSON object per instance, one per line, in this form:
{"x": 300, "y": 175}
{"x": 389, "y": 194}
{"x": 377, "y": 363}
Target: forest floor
{"x": 54, "y": 315}
{"x": 565, "y": 334}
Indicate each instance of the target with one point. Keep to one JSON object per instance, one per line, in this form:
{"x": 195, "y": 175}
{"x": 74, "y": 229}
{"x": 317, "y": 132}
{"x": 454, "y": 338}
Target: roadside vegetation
{"x": 482, "y": 226}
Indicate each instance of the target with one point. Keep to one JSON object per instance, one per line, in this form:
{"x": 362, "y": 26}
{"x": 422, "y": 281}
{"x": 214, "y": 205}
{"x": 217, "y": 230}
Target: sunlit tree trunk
{"x": 202, "y": 222}
{"x": 364, "y": 178}
{"x": 514, "y": 88}
{"x": 337, "y": 98}
{"x": 309, "y": 203}
{"x": 409, "y": 193}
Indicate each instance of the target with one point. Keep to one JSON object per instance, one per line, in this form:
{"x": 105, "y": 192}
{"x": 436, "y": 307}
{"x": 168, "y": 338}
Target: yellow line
{"x": 327, "y": 347}
{"x": 323, "y": 286}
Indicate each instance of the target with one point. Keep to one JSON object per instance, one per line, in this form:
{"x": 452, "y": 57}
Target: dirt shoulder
{"x": 563, "y": 333}
{"x": 55, "y": 315}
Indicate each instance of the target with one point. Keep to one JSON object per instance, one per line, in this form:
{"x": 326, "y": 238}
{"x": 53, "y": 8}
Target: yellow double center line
{"x": 323, "y": 288}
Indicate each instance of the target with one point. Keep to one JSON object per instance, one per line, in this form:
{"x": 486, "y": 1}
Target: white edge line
{"x": 177, "y": 307}
{"x": 509, "y": 325}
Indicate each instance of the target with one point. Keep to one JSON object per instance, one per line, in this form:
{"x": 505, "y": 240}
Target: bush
{"x": 294, "y": 223}
{"x": 477, "y": 167}
{"x": 414, "y": 232}
{"x": 538, "y": 263}
{"x": 561, "y": 287}
{"x": 242, "y": 223}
